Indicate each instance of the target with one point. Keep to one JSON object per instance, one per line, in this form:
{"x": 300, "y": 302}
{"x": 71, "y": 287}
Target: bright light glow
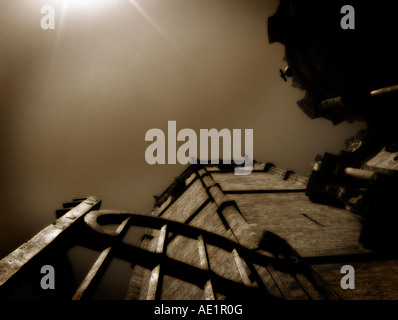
{"x": 158, "y": 29}
{"x": 147, "y": 17}
{"x": 89, "y": 5}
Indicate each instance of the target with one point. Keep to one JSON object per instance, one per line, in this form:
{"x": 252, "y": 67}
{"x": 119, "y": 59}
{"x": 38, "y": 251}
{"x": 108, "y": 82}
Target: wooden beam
{"x": 154, "y": 280}
{"x": 22, "y": 257}
{"x": 98, "y": 269}
{"x": 204, "y": 262}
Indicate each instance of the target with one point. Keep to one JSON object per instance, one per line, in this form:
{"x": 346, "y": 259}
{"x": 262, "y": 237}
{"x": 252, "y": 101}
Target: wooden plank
{"x": 209, "y": 292}
{"x": 153, "y": 285}
{"x": 92, "y": 274}
{"x": 98, "y": 269}
{"x": 202, "y": 253}
{"x": 23, "y": 255}
{"x": 162, "y": 238}
{"x": 242, "y": 271}
{"x": 208, "y": 288}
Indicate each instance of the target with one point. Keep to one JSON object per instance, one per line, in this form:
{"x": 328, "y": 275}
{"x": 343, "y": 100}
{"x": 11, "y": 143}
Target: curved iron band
{"x": 98, "y": 219}
{"x": 291, "y": 263}
{"x": 186, "y": 272}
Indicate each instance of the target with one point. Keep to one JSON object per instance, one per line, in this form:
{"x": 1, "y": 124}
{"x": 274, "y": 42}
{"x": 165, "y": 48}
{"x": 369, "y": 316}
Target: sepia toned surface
{"x": 273, "y": 234}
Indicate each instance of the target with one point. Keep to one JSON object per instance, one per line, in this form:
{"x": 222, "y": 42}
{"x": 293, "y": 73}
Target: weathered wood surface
{"x": 96, "y": 272}
{"x": 237, "y": 208}
{"x": 189, "y": 208}
{"x": 23, "y": 256}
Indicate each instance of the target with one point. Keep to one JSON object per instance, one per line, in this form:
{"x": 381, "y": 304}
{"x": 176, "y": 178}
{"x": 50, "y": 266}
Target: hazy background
{"x": 76, "y": 102}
